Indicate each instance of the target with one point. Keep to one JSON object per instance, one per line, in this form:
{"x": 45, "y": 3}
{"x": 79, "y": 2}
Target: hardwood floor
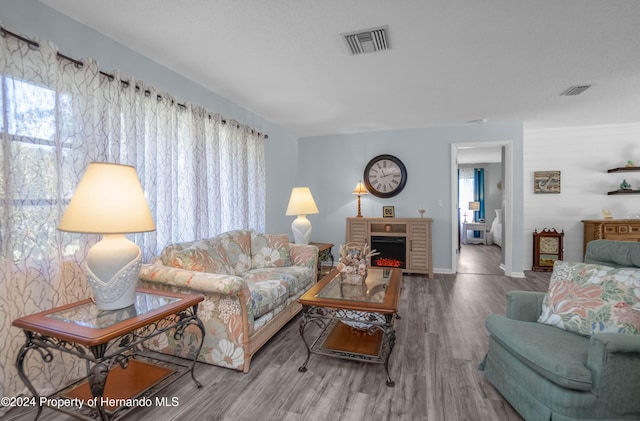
{"x": 440, "y": 340}
{"x": 480, "y": 259}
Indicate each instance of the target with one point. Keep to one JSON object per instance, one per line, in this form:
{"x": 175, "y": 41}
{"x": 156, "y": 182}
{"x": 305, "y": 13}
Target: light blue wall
{"x": 35, "y": 20}
{"x": 332, "y": 165}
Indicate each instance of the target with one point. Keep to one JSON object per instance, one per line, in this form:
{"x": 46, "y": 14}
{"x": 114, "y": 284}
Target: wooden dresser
{"x": 610, "y": 229}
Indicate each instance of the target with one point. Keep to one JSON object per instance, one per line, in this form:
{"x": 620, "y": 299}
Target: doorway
{"x": 490, "y": 258}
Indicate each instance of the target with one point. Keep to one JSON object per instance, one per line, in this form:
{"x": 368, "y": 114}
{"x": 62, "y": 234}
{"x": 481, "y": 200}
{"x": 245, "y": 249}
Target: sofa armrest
{"x": 614, "y": 360}
{"x": 225, "y": 312}
{"x": 524, "y": 305}
{"x": 206, "y": 283}
{"x": 304, "y": 255}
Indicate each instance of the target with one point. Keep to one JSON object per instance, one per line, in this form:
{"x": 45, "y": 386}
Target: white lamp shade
{"x": 360, "y": 189}
{"x": 108, "y": 200}
{"x": 301, "y": 202}
{"x": 474, "y": 206}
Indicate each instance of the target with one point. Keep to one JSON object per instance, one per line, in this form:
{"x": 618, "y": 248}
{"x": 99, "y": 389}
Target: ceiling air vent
{"x": 575, "y": 90}
{"x": 366, "y": 40}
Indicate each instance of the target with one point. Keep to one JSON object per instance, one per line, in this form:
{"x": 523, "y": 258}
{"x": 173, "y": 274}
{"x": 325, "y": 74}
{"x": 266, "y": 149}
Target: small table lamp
{"x": 474, "y": 206}
{"x": 360, "y": 190}
{"x": 109, "y": 200}
{"x": 301, "y": 203}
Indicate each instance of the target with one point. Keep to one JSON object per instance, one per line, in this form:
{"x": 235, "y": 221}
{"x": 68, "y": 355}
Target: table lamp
{"x": 474, "y": 206}
{"x": 360, "y": 190}
{"x": 301, "y": 203}
{"x": 109, "y": 200}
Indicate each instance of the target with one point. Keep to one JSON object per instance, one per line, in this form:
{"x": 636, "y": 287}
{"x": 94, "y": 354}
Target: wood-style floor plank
{"x": 479, "y": 259}
{"x": 440, "y": 340}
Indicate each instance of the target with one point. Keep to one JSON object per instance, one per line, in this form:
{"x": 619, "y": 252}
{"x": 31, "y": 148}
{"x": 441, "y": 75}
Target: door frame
{"x": 507, "y": 184}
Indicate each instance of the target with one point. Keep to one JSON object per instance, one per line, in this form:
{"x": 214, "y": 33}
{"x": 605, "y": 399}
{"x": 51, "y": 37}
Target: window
{"x": 465, "y": 193}
{"x": 29, "y": 192}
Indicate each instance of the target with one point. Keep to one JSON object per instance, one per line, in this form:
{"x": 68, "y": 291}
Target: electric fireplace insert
{"x": 392, "y": 249}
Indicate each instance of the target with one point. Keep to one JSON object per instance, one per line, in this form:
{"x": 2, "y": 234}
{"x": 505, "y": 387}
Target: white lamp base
{"x": 301, "y": 228}
{"x": 113, "y": 265}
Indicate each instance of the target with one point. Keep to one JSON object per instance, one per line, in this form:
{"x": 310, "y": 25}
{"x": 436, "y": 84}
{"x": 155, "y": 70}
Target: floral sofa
{"x": 572, "y": 353}
{"x": 251, "y": 283}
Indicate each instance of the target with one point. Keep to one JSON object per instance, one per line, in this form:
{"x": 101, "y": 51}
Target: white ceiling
{"x": 450, "y": 62}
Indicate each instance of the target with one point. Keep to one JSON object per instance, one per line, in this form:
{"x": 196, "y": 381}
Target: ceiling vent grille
{"x": 366, "y": 41}
{"x": 575, "y": 90}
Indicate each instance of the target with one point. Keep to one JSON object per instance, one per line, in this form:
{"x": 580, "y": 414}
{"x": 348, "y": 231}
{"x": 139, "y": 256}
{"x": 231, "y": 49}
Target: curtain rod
{"x": 34, "y": 44}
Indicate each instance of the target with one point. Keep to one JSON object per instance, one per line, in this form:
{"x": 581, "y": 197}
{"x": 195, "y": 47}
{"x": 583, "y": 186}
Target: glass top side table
{"x": 109, "y": 340}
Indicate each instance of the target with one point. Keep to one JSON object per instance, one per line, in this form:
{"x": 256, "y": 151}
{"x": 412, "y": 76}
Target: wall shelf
{"x": 624, "y": 192}
{"x": 624, "y": 169}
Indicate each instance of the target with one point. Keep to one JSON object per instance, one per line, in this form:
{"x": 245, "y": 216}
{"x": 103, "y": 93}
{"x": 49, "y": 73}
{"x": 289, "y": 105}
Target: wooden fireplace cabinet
{"x": 416, "y": 231}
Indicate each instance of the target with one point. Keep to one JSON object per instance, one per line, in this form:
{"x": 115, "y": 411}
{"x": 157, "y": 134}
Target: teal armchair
{"x": 547, "y": 373}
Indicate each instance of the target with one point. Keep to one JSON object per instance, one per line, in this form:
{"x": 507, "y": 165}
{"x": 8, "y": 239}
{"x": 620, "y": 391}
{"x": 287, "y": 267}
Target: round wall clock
{"x": 385, "y": 176}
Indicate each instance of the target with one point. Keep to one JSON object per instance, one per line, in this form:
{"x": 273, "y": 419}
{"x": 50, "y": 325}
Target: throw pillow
{"x": 269, "y": 250}
{"x": 237, "y": 247}
{"x": 586, "y": 299}
{"x": 202, "y": 256}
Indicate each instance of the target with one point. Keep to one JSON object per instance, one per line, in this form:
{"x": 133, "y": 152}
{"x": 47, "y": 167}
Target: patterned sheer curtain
{"x": 202, "y": 176}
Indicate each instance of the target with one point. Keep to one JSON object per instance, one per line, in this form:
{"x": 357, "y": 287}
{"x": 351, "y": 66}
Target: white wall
{"x": 583, "y": 155}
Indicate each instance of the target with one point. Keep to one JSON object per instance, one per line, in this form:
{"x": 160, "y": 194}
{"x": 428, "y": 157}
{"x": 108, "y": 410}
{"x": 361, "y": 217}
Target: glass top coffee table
{"x": 356, "y": 321}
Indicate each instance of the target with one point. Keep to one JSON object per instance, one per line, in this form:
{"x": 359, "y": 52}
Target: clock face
{"x": 385, "y": 176}
{"x": 549, "y": 245}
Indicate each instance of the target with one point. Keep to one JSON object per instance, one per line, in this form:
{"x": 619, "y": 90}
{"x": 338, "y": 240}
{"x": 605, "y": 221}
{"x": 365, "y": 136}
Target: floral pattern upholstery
{"x": 266, "y": 295}
{"x": 202, "y": 256}
{"x": 269, "y": 250}
{"x": 293, "y": 278}
{"x": 587, "y": 298}
{"x": 237, "y": 304}
{"x": 237, "y": 246}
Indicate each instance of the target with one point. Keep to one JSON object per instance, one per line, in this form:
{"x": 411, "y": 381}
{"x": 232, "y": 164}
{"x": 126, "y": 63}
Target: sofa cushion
{"x": 201, "y": 256}
{"x": 586, "y": 299}
{"x": 237, "y": 246}
{"x": 266, "y": 295}
{"x": 269, "y": 250}
{"x": 555, "y": 354}
{"x": 293, "y": 278}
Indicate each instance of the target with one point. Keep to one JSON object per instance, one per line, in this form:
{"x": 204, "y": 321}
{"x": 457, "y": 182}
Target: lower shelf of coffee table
{"x": 341, "y": 340}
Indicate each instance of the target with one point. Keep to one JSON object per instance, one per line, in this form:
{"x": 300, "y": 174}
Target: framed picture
{"x": 546, "y": 182}
{"x": 388, "y": 212}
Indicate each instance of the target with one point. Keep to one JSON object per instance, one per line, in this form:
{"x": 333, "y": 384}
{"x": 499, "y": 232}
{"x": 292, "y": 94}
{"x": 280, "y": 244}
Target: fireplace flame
{"x": 387, "y": 262}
